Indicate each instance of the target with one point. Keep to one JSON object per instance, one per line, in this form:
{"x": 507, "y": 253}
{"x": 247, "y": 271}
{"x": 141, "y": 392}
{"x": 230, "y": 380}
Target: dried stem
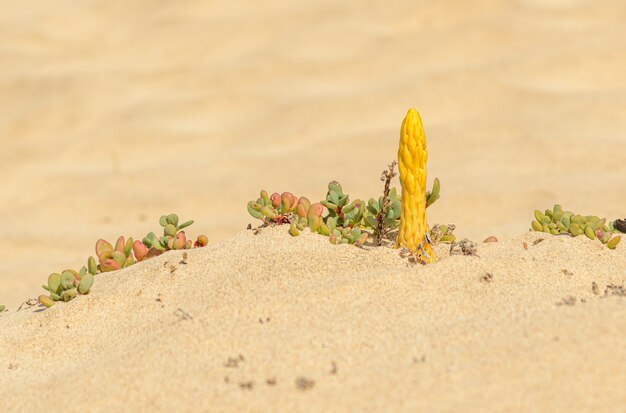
{"x": 386, "y": 177}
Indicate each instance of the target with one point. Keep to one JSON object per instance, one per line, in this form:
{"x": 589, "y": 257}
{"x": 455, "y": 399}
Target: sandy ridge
{"x": 400, "y": 337}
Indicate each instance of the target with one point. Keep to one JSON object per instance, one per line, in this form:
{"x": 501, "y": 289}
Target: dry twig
{"x": 381, "y": 231}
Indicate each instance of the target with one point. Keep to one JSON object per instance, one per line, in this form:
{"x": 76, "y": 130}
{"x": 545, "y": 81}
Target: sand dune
{"x": 268, "y": 322}
{"x": 115, "y": 113}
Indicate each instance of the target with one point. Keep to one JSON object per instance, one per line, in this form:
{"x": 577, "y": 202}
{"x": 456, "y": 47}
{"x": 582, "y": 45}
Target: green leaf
{"x": 371, "y": 221}
{"x": 185, "y": 224}
{"x": 163, "y": 221}
{"x": 372, "y": 210}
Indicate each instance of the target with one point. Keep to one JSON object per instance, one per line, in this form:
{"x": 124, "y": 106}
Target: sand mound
{"x": 272, "y": 323}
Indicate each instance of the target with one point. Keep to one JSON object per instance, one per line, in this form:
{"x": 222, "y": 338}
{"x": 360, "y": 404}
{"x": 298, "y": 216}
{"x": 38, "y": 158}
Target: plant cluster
{"x": 70, "y": 283}
{"x": 66, "y": 286}
{"x": 341, "y": 223}
{"x": 342, "y": 220}
{"x": 556, "y": 221}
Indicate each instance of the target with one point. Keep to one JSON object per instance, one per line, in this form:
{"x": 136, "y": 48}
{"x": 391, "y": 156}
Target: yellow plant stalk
{"x": 412, "y": 157}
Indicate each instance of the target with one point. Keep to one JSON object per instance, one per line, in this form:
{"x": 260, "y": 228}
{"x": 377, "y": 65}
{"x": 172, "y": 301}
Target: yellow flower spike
{"x": 412, "y": 157}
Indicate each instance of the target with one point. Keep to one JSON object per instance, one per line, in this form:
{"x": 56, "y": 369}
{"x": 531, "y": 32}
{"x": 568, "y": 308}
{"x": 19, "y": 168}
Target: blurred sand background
{"x": 113, "y": 113}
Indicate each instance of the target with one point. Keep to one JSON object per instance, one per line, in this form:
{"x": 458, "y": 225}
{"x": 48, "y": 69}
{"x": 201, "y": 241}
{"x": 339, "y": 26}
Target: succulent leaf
{"x": 54, "y": 282}
{"x": 202, "y": 241}
{"x": 275, "y": 200}
{"x": 172, "y": 219}
{"x": 120, "y": 244}
{"x": 91, "y": 265}
{"x": 433, "y": 195}
{"x": 45, "y": 300}
{"x": 103, "y": 246}
{"x": 109, "y": 264}
{"x": 67, "y": 280}
{"x": 128, "y": 247}
{"x": 179, "y": 244}
{"x": 85, "y": 284}
{"x": 335, "y": 186}
{"x": 170, "y": 230}
{"x": 293, "y": 230}
{"x": 265, "y": 198}
{"x": 67, "y": 295}
{"x": 140, "y": 250}
{"x": 305, "y": 203}
{"x": 323, "y": 229}
{"x": 185, "y": 224}
{"x": 612, "y": 244}
{"x": 254, "y": 209}
{"x": 153, "y": 252}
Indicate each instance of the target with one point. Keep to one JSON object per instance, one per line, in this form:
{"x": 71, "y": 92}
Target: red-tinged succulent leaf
{"x": 181, "y": 236}
{"x": 109, "y": 265}
{"x": 202, "y": 241}
{"x": 359, "y": 242}
{"x": 305, "y": 202}
{"x": 302, "y": 210}
{"x": 104, "y": 256}
{"x": 119, "y": 257}
{"x": 315, "y": 216}
{"x": 153, "y": 252}
{"x": 120, "y": 243}
{"x": 275, "y": 199}
{"x": 316, "y": 210}
{"x": 178, "y": 244}
{"x": 289, "y": 202}
{"x": 139, "y": 250}
{"x": 103, "y": 246}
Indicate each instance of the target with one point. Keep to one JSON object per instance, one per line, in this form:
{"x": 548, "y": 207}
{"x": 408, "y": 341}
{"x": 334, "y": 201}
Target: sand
{"x": 268, "y": 322}
{"x": 114, "y": 113}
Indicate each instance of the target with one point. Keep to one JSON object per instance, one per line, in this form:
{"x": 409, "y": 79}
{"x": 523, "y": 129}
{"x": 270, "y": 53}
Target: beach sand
{"x": 114, "y": 113}
{"x": 268, "y": 322}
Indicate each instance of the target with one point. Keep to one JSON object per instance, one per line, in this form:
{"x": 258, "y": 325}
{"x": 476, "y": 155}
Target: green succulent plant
{"x": 348, "y": 235}
{"x": 276, "y": 208}
{"x": 391, "y": 219}
{"x": 305, "y": 215}
{"x": 113, "y": 258}
{"x": 344, "y": 222}
{"x": 2, "y": 308}
{"x": 335, "y": 214}
{"x": 66, "y": 286}
{"x": 70, "y": 283}
{"x": 557, "y": 221}
{"x": 345, "y": 213}
{"x": 173, "y": 238}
